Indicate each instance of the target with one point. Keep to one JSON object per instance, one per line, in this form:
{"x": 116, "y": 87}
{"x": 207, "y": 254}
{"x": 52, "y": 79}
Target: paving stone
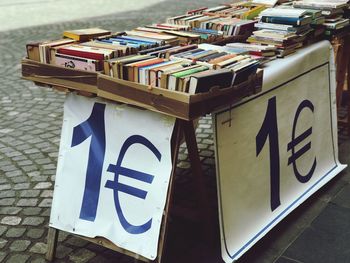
{"x": 43, "y": 185}
{"x": 2, "y": 256}
{"x": 38, "y": 260}
{"x": 62, "y": 251}
{"x": 35, "y": 233}
{"x": 46, "y": 212}
{"x": 3, "y": 243}
{"x": 31, "y": 211}
{"x": 15, "y": 232}
{"x": 7, "y": 194}
{"x": 81, "y": 255}
{"x": 16, "y": 258}
{"x": 46, "y": 202}
{"x": 27, "y": 202}
{"x": 2, "y": 229}
{"x": 19, "y": 245}
{"x": 47, "y": 193}
{"x": 39, "y": 179}
{"x": 77, "y": 242}
{"x": 62, "y": 236}
{"x": 11, "y": 220}
{"x": 33, "y": 221}
{"x": 39, "y": 248}
{"x": 21, "y": 186}
{"x": 29, "y": 193}
{"x": 7, "y": 201}
{"x": 5, "y": 187}
{"x": 9, "y": 210}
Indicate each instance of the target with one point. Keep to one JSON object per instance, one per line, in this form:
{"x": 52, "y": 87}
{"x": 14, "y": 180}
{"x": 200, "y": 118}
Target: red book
{"x": 86, "y": 52}
{"x": 196, "y": 10}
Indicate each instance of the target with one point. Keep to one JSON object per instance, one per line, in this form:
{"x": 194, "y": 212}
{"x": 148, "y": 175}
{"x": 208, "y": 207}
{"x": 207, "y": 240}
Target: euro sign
{"x": 297, "y": 140}
{"x": 117, "y": 187}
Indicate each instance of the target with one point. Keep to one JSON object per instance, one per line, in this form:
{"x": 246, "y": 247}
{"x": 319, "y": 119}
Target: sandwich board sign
{"x": 277, "y": 148}
{"x": 113, "y": 173}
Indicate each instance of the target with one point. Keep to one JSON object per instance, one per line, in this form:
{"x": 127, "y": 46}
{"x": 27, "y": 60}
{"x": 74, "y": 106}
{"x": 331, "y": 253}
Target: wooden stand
{"x": 182, "y": 128}
{"x": 183, "y": 106}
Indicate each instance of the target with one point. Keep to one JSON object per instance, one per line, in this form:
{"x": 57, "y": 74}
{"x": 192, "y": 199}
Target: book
{"x": 44, "y": 48}
{"x": 173, "y": 82}
{"x": 77, "y": 63}
{"x": 320, "y": 5}
{"x": 132, "y": 68}
{"x": 283, "y": 12}
{"x": 87, "y": 52}
{"x": 165, "y": 74}
{"x": 114, "y": 67}
{"x": 85, "y": 34}
{"x": 204, "y": 81}
{"x": 287, "y": 20}
{"x": 281, "y": 27}
{"x": 155, "y": 72}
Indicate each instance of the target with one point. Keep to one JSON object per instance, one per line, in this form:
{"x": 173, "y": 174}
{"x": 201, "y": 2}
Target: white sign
{"x": 113, "y": 172}
{"x": 276, "y": 149}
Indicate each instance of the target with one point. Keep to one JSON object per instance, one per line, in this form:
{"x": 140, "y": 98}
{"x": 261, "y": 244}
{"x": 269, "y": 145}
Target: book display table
{"x": 181, "y": 107}
{"x": 273, "y": 150}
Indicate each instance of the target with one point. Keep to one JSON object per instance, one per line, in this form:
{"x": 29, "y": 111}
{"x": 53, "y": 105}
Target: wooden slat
{"x": 108, "y": 244}
{"x": 143, "y": 98}
{"x": 64, "y": 77}
{"x": 52, "y": 237}
{"x": 123, "y": 86}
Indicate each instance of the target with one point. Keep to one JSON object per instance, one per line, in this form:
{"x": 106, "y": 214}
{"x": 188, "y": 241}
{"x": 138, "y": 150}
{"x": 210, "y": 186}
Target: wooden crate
{"x": 52, "y": 75}
{"x": 178, "y": 104}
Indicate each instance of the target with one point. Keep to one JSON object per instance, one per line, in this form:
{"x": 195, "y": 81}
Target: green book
{"x": 189, "y": 71}
{"x": 173, "y": 80}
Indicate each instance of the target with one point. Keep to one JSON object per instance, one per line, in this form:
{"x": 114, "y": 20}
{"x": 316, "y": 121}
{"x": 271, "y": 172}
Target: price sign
{"x": 113, "y": 173}
{"x": 276, "y": 149}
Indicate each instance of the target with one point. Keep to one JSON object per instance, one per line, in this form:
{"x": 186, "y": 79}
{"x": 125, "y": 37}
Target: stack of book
{"x": 332, "y": 10}
{"x": 264, "y": 53}
{"x": 284, "y": 28}
{"x": 100, "y": 45}
{"x": 228, "y": 20}
{"x": 191, "y": 68}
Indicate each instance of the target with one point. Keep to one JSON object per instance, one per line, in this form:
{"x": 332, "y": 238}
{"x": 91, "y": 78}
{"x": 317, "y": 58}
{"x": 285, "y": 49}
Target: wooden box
{"x": 178, "y": 104}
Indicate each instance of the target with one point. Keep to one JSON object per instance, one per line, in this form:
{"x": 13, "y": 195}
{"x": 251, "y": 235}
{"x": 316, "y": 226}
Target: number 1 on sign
{"x": 269, "y": 130}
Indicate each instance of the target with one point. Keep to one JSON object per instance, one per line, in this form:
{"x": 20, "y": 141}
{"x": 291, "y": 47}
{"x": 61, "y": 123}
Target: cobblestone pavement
{"x": 30, "y": 124}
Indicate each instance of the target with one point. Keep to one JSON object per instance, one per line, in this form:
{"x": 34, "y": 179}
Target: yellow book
{"x": 85, "y": 34}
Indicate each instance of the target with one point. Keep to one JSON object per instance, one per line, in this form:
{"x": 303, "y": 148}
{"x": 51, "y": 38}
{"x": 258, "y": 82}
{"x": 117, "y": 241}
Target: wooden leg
{"x": 202, "y": 196}
{"x": 52, "y": 237}
{"x": 178, "y": 130}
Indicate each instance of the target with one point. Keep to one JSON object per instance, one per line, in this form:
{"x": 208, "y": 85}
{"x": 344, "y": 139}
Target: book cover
{"x": 204, "y": 81}
{"x": 287, "y": 20}
{"x": 77, "y": 63}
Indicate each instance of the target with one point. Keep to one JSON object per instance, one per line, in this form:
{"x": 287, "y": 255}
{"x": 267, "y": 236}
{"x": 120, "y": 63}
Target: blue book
{"x": 294, "y": 21}
{"x": 206, "y": 31}
{"x": 126, "y": 39}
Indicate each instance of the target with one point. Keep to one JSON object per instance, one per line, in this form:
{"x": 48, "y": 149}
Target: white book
{"x": 285, "y": 12}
